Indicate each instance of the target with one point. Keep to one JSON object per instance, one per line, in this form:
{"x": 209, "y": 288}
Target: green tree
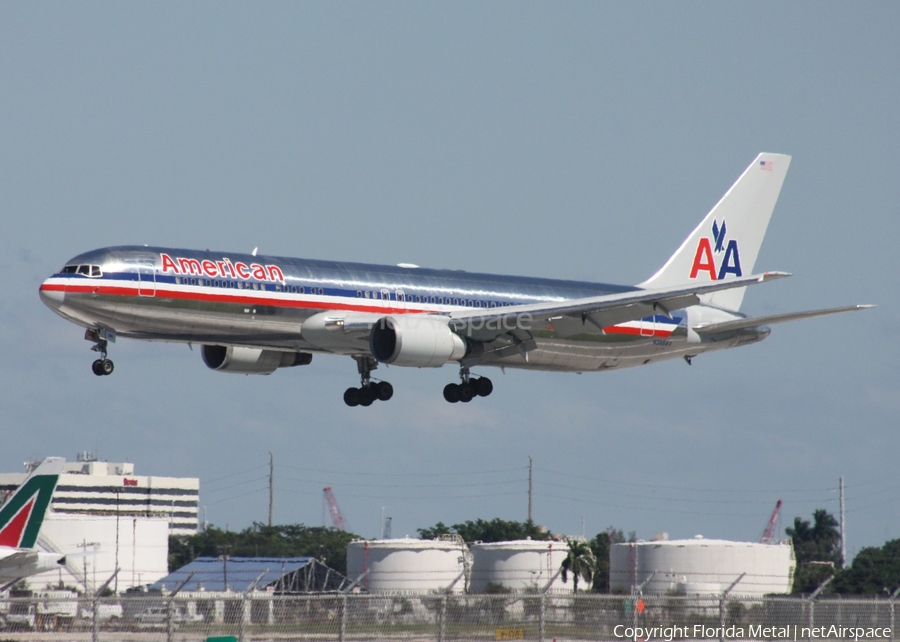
{"x": 874, "y": 571}
{"x": 291, "y": 540}
{"x": 600, "y": 546}
{"x": 495, "y": 530}
{"x": 816, "y": 548}
{"x": 579, "y": 562}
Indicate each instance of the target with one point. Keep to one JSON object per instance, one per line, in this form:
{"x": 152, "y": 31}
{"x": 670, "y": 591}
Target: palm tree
{"x": 816, "y": 548}
{"x": 580, "y": 562}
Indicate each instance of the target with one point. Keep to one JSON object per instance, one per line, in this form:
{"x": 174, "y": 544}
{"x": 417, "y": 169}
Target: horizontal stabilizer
{"x": 740, "y": 324}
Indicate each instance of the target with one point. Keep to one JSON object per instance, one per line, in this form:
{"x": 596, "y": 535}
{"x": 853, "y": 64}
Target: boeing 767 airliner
{"x": 254, "y": 314}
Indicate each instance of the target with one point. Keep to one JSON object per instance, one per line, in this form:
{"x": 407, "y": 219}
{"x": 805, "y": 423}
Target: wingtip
{"x": 771, "y": 276}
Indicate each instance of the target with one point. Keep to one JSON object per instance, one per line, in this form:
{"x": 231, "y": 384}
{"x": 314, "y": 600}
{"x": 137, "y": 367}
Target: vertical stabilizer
{"x": 23, "y": 513}
{"x": 726, "y": 243}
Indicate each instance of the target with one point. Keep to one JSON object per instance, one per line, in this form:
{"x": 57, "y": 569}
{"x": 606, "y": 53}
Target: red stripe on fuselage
{"x": 225, "y": 298}
{"x": 637, "y": 332}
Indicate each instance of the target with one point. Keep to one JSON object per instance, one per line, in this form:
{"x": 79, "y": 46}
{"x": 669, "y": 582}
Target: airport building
{"x": 103, "y": 517}
{"x": 89, "y": 487}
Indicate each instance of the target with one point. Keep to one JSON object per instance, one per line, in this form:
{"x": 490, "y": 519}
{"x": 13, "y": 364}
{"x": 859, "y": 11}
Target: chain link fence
{"x": 264, "y": 617}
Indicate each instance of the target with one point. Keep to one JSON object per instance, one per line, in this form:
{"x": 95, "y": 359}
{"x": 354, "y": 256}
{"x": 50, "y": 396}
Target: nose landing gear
{"x": 369, "y": 391}
{"x": 469, "y": 388}
{"x": 100, "y": 338}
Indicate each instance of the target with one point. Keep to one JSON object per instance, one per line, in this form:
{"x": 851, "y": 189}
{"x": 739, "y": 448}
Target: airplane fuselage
{"x": 220, "y": 298}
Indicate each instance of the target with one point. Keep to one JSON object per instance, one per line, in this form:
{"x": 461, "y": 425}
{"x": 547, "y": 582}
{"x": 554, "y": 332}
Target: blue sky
{"x": 578, "y": 141}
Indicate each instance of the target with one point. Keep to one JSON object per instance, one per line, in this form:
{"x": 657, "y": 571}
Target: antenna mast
{"x": 843, "y": 526}
{"x": 530, "y": 466}
{"x": 271, "y": 485}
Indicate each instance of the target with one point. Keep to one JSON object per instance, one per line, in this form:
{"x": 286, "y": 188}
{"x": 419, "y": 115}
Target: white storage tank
{"x": 521, "y": 565}
{"x": 703, "y": 566}
{"x": 409, "y": 564}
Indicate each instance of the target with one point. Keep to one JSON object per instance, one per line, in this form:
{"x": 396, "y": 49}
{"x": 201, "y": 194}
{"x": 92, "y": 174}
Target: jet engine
{"x": 240, "y": 360}
{"x": 415, "y": 340}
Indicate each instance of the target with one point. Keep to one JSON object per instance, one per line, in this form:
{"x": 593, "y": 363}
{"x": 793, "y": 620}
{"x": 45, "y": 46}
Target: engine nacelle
{"x": 240, "y": 360}
{"x": 415, "y": 340}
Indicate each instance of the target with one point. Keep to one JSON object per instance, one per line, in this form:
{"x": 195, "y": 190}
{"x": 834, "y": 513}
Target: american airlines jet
{"x": 254, "y": 314}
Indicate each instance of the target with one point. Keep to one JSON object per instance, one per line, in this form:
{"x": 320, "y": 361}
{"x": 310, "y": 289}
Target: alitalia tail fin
{"x": 23, "y": 513}
{"x": 726, "y": 243}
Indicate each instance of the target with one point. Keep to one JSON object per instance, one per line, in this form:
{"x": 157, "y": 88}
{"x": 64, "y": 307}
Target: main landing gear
{"x": 469, "y": 388}
{"x": 103, "y": 365}
{"x": 369, "y": 391}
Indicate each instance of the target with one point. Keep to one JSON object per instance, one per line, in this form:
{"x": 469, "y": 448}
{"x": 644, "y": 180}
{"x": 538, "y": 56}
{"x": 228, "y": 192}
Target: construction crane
{"x": 337, "y": 520}
{"x": 768, "y": 536}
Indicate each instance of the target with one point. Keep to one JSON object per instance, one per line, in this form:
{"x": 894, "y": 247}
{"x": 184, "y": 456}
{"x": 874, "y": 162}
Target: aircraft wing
{"x": 752, "y": 322}
{"x": 590, "y": 314}
{"x": 16, "y": 561}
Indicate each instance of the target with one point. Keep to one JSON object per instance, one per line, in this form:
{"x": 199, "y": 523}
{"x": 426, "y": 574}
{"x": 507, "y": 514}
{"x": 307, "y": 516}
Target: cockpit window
{"x": 93, "y": 271}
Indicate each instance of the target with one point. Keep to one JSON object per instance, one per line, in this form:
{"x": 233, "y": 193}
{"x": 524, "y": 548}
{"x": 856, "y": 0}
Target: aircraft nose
{"x": 53, "y": 296}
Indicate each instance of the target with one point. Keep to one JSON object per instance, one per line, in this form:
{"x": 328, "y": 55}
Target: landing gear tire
{"x": 366, "y": 396}
{"x": 383, "y": 390}
{"x": 102, "y": 367}
{"x": 351, "y": 397}
{"x": 483, "y": 386}
{"x": 451, "y": 392}
{"x": 369, "y": 391}
{"x": 468, "y": 388}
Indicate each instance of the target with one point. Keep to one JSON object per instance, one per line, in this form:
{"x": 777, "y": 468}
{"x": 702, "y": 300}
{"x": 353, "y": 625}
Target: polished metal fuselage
{"x": 179, "y": 295}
